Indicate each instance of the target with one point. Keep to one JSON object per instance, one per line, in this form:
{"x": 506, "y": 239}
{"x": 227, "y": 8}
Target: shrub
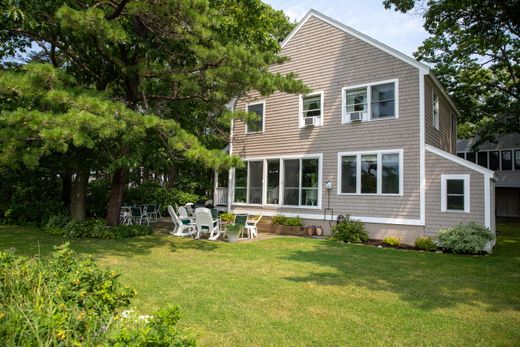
{"x": 93, "y": 228}
{"x": 425, "y": 244}
{"x": 227, "y": 217}
{"x": 392, "y": 241}
{"x": 350, "y": 230}
{"x": 465, "y": 238}
{"x": 69, "y": 300}
{"x": 233, "y": 229}
{"x": 289, "y": 221}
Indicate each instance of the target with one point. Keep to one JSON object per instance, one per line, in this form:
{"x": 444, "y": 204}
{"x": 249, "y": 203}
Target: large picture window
{"x": 370, "y": 102}
{"x": 273, "y": 182}
{"x": 256, "y": 172}
{"x": 455, "y": 193}
{"x": 256, "y": 125}
{"x": 288, "y": 182}
{"x": 370, "y": 172}
{"x": 507, "y": 160}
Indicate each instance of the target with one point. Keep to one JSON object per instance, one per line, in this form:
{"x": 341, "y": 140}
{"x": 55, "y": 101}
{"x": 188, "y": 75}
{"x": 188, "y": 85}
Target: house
{"x": 503, "y": 157}
{"x": 375, "y": 139}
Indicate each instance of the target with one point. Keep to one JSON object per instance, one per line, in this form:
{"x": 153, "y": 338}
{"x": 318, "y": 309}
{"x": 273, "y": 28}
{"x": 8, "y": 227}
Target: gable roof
{"x": 345, "y": 28}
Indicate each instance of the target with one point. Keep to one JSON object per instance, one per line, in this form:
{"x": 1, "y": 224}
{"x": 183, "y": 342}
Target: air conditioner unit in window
{"x": 356, "y": 116}
{"x": 311, "y": 121}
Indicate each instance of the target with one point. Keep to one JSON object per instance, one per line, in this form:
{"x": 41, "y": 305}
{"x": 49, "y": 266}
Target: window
{"x": 507, "y": 160}
{"x": 435, "y": 111}
{"x": 455, "y": 193}
{"x": 517, "y": 159}
{"x": 256, "y": 125}
{"x": 494, "y": 160}
{"x": 291, "y": 194}
{"x": 309, "y": 190}
{"x": 383, "y": 101}
{"x": 273, "y": 182}
{"x": 471, "y": 156}
{"x": 311, "y": 105}
{"x": 256, "y": 172}
{"x": 348, "y": 174}
{"x": 461, "y": 155}
{"x": 483, "y": 159}
{"x": 241, "y": 184}
{"x": 390, "y": 173}
{"x": 370, "y": 173}
{"x": 370, "y": 102}
{"x": 454, "y": 124}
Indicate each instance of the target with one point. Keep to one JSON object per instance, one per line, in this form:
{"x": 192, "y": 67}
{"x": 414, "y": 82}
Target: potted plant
{"x": 232, "y": 231}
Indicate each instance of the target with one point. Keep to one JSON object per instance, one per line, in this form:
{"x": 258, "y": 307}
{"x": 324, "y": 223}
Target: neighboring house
{"x": 377, "y": 128}
{"x": 503, "y": 157}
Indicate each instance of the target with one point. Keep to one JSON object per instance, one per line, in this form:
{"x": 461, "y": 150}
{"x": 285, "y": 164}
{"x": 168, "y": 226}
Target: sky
{"x": 403, "y": 32}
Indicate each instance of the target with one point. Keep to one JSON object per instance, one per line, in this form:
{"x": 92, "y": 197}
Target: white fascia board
{"x": 460, "y": 161}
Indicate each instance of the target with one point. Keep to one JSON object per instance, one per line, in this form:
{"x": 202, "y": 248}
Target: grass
{"x": 296, "y": 291}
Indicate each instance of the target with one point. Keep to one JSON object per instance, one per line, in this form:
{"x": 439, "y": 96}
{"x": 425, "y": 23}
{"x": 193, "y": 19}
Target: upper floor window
{"x": 370, "y": 102}
{"x": 435, "y": 111}
{"x": 370, "y": 173}
{"x": 311, "y": 109}
{"x": 454, "y": 124}
{"x": 256, "y": 125}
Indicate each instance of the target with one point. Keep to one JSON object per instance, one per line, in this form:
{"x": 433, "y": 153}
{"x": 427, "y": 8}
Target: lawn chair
{"x": 182, "y": 227}
{"x": 139, "y": 215}
{"x": 183, "y": 213}
{"x": 190, "y": 208}
{"x": 151, "y": 212}
{"x": 206, "y": 224}
{"x": 241, "y": 219}
{"x": 251, "y": 223}
{"x": 125, "y": 217}
{"x": 158, "y": 211}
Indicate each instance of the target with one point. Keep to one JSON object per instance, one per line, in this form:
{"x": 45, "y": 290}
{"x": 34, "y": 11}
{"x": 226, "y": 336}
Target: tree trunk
{"x": 78, "y": 195}
{"x": 172, "y": 176}
{"x": 116, "y": 197}
{"x": 66, "y": 188}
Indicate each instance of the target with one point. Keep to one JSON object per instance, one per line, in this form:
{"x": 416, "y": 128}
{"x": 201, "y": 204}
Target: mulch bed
{"x": 376, "y": 243}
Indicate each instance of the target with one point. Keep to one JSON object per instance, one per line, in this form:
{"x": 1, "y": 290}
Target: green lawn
{"x": 296, "y": 291}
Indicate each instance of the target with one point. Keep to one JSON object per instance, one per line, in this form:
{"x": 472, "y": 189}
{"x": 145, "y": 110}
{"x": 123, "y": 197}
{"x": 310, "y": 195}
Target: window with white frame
{"x": 370, "y": 172}
{"x": 311, "y": 109}
{"x": 256, "y": 125}
{"x": 299, "y": 186}
{"x": 370, "y": 102}
{"x": 454, "y": 124}
{"x": 435, "y": 111}
{"x": 455, "y": 193}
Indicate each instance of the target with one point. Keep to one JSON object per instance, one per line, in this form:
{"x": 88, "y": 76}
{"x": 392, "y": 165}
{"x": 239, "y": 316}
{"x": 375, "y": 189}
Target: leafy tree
{"x": 474, "y": 48}
{"x": 47, "y": 114}
{"x": 183, "y": 60}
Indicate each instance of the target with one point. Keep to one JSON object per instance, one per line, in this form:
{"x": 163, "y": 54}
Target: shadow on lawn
{"x": 426, "y": 280}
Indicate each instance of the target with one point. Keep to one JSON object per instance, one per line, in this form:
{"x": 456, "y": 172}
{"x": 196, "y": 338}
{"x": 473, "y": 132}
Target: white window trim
{"x": 318, "y": 156}
{"x": 444, "y": 191}
{"x": 262, "y": 102}
{"x": 379, "y": 154}
{"x": 344, "y": 114}
{"x": 436, "y": 109}
{"x": 300, "y": 105}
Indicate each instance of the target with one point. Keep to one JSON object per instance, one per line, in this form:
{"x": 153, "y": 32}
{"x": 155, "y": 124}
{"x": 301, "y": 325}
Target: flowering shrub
{"x": 392, "y": 241}
{"x": 350, "y": 230}
{"x": 425, "y": 244}
{"x": 465, "y": 238}
{"x": 69, "y": 300}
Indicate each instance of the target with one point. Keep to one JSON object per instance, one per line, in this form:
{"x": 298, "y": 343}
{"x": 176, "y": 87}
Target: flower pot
{"x": 310, "y": 230}
{"x": 232, "y": 237}
{"x": 319, "y": 231}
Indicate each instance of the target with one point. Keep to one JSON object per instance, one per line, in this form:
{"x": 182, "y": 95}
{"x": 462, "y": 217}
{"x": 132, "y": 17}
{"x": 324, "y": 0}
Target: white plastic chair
{"x": 206, "y": 224}
{"x": 183, "y": 213}
{"x": 181, "y": 229}
{"x": 251, "y": 225}
{"x": 190, "y": 208}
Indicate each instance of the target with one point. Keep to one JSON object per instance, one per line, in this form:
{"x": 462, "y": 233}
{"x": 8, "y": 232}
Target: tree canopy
{"x": 474, "y": 49}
